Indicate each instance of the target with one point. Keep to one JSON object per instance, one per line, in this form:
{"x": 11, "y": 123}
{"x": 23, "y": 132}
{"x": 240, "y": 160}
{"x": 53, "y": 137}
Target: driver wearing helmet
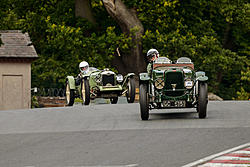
{"x": 84, "y": 69}
{"x": 152, "y": 55}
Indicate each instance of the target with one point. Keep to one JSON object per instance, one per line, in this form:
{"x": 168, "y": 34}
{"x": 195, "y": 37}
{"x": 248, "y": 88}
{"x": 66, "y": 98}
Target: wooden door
{"x": 12, "y": 92}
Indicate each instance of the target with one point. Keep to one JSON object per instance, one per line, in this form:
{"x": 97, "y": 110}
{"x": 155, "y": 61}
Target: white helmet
{"x": 152, "y": 53}
{"x": 84, "y": 67}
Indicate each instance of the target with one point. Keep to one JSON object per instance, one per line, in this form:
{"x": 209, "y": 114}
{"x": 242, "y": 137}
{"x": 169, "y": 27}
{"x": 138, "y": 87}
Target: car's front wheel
{"x": 85, "y": 92}
{"x": 70, "y": 97}
{"x": 131, "y": 90}
{"x": 113, "y": 100}
{"x": 144, "y": 104}
{"x": 202, "y": 100}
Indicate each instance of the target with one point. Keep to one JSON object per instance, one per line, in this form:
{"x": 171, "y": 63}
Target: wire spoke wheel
{"x": 85, "y": 92}
{"x": 70, "y": 97}
{"x": 67, "y": 93}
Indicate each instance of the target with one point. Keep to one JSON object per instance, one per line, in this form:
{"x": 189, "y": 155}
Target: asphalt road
{"x": 114, "y": 135}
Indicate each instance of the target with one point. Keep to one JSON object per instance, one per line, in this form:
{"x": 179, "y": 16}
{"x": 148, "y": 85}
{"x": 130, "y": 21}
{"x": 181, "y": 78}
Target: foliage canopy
{"x": 214, "y": 34}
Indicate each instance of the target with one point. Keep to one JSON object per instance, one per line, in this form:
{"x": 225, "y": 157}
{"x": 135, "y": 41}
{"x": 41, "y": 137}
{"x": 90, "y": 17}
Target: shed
{"x": 16, "y": 56}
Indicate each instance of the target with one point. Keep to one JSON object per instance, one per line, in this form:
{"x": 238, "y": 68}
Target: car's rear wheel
{"x": 113, "y": 100}
{"x": 144, "y": 104}
{"x": 70, "y": 97}
{"x": 131, "y": 90}
{"x": 85, "y": 92}
{"x": 202, "y": 100}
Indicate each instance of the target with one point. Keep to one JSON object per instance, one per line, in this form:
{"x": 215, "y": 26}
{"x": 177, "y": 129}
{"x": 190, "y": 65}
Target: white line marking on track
{"x": 223, "y": 165}
{"x": 232, "y": 158}
{"x": 217, "y": 155}
{"x": 242, "y": 152}
{"x": 131, "y": 165}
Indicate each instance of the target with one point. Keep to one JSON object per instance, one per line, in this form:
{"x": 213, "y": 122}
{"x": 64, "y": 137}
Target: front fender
{"x": 201, "y": 76}
{"x": 71, "y": 81}
{"x": 143, "y": 77}
{"x": 130, "y": 75}
{"x": 125, "y": 80}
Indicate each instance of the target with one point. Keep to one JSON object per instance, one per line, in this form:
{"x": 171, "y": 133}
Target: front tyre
{"x": 85, "y": 92}
{"x": 131, "y": 90}
{"x": 202, "y": 100}
{"x": 70, "y": 96}
{"x": 144, "y": 105}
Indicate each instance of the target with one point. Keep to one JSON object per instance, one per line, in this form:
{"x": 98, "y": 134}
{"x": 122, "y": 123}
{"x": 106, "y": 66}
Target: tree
{"x": 83, "y": 9}
{"x": 0, "y": 40}
{"x": 212, "y": 33}
{"x": 129, "y": 24}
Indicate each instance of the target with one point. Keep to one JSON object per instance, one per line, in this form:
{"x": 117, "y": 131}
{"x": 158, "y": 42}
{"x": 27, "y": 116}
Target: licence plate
{"x": 170, "y": 103}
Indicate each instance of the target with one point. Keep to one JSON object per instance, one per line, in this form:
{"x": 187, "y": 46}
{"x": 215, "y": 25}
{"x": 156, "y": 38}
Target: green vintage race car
{"x": 100, "y": 84}
{"x": 173, "y": 85}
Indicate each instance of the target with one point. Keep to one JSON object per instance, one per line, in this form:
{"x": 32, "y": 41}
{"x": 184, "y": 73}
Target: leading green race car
{"x": 173, "y": 85}
{"x": 100, "y": 84}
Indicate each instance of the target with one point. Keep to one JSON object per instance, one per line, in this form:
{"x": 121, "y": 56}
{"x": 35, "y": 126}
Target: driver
{"x": 152, "y": 55}
{"x": 84, "y": 69}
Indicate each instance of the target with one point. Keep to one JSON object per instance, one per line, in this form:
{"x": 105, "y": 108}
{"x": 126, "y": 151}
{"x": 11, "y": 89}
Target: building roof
{"x": 16, "y": 45}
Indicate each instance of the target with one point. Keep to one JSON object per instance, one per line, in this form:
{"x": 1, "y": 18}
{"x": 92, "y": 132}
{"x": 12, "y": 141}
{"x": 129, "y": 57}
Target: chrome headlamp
{"x": 119, "y": 78}
{"x": 188, "y": 84}
{"x": 159, "y": 83}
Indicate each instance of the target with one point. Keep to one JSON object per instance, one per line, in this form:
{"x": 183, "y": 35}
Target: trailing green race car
{"x": 100, "y": 84}
{"x": 173, "y": 85}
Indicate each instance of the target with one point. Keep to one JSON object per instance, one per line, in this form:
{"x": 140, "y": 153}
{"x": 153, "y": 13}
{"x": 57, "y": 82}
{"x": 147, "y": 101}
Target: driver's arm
{"x": 149, "y": 68}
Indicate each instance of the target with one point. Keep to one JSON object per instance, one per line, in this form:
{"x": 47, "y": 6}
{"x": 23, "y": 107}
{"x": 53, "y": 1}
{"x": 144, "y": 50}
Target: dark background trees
{"x": 214, "y": 34}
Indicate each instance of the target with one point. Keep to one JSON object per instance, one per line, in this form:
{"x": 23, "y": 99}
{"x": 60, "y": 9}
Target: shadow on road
{"x": 174, "y": 115}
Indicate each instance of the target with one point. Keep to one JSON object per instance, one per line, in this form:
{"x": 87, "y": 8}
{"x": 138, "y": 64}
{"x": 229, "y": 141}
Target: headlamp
{"x": 189, "y": 84}
{"x": 159, "y": 83}
{"x": 119, "y": 78}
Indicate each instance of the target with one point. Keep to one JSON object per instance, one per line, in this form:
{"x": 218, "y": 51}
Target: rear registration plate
{"x": 169, "y": 103}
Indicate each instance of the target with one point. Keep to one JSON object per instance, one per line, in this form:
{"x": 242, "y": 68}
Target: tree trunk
{"x": 228, "y": 41}
{"x": 83, "y": 9}
{"x": 219, "y": 79}
{"x": 127, "y": 19}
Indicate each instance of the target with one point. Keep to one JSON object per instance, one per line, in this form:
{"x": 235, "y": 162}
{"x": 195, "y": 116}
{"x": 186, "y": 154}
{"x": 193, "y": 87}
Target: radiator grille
{"x": 108, "y": 79}
{"x": 174, "y": 78}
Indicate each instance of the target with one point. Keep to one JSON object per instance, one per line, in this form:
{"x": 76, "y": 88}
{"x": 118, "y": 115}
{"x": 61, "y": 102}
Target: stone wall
{"x": 51, "y": 101}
